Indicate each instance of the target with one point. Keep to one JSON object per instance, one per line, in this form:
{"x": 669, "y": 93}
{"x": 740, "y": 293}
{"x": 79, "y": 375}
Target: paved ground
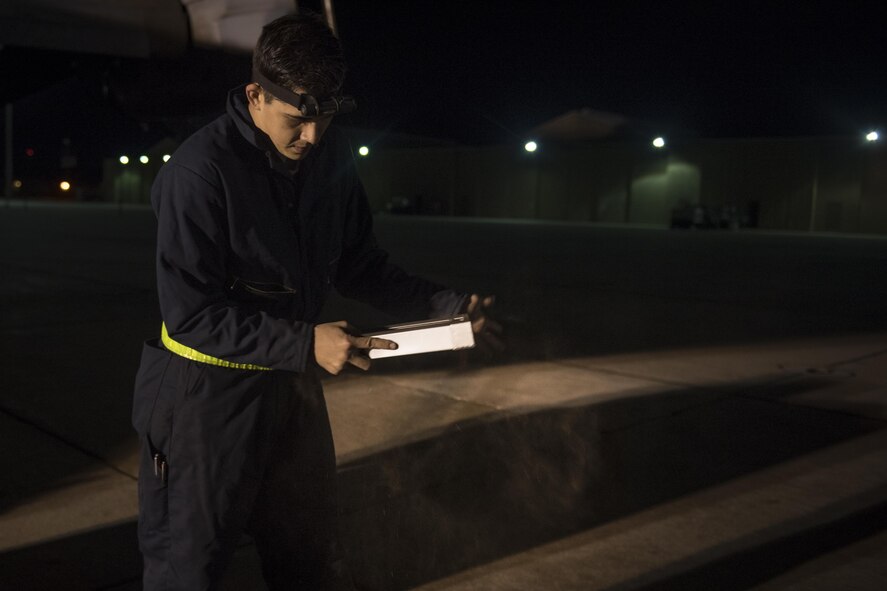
{"x": 675, "y": 411}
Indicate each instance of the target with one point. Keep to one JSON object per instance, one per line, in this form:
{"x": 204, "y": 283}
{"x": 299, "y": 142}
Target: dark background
{"x": 488, "y": 72}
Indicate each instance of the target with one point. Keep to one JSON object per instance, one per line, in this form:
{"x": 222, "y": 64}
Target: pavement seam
{"x": 719, "y": 399}
{"x": 831, "y": 411}
{"x": 424, "y": 391}
{"x": 766, "y": 382}
{"x": 649, "y": 420}
{"x": 705, "y": 387}
{"x": 722, "y": 395}
{"x": 65, "y": 441}
{"x": 750, "y": 395}
{"x": 623, "y": 374}
{"x": 857, "y": 359}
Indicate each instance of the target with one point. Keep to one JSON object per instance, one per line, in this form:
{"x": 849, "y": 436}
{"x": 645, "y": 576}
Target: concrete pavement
{"x": 780, "y": 484}
{"x": 687, "y": 412}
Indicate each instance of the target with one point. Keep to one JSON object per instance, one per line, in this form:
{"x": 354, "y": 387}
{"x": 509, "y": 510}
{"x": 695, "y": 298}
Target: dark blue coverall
{"x": 247, "y": 252}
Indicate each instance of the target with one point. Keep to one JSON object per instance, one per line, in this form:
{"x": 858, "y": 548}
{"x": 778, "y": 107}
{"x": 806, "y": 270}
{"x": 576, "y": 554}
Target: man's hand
{"x": 334, "y": 346}
{"x": 487, "y": 330}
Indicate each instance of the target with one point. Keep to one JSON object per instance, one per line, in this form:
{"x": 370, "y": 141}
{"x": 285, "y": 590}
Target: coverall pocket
{"x": 149, "y": 379}
{"x": 162, "y": 382}
{"x": 261, "y": 289}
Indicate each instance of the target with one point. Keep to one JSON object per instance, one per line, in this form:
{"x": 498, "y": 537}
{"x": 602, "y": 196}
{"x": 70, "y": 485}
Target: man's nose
{"x": 309, "y": 132}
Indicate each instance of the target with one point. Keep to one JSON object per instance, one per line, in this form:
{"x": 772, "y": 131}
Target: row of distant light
{"x": 66, "y": 185}
{"x": 531, "y": 146}
{"x": 143, "y": 159}
{"x": 659, "y": 142}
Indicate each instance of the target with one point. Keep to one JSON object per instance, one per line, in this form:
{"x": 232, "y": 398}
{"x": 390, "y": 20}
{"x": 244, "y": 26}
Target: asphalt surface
{"x": 692, "y": 372}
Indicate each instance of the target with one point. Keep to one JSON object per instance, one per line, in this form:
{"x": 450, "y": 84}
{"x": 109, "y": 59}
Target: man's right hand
{"x": 334, "y": 346}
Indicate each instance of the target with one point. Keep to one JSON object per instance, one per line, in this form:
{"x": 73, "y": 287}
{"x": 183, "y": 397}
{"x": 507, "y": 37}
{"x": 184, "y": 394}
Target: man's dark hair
{"x": 300, "y": 51}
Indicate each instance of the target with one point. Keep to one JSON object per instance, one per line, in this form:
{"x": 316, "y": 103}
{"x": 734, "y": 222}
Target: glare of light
{"x": 64, "y": 185}
{"x": 872, "y": 136}
{"x": 124, "y": 160}
{"x": 17, "y": 184}
{"x": 363, "y": 151}
{"x": 166, "y": 157}
{"x": 531, "y": 146}
{"x": 143, "y": 159}
{"x": 659, "y": 142}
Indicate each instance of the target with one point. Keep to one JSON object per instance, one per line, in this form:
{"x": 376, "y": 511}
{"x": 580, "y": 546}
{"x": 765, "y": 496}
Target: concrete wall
{"x": 823, "y": 184}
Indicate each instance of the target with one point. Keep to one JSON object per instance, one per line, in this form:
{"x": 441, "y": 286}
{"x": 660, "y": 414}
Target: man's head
{"x": 298, "y": 53}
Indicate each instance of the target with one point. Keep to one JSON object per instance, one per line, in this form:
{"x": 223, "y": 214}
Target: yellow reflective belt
{"x": 189, "y": 353}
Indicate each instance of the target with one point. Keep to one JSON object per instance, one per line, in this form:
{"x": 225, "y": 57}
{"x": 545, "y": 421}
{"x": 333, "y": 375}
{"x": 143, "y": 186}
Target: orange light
{"x": 64, "y": 185}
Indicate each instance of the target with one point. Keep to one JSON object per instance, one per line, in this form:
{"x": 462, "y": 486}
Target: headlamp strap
{"x": 306, "y": 103}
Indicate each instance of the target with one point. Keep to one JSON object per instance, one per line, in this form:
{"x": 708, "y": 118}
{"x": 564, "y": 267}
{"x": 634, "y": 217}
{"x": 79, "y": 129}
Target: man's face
{"x": 292, "y": 134}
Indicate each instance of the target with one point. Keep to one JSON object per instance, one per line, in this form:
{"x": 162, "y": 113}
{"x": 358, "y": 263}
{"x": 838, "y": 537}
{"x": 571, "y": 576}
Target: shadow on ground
{"x": 491, "y": 487}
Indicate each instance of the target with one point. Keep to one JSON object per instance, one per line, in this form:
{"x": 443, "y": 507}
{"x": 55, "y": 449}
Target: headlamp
{"x": 309, "y": 105}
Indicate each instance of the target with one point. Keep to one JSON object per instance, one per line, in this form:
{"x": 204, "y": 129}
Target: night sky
{"x": 488, "y": 72}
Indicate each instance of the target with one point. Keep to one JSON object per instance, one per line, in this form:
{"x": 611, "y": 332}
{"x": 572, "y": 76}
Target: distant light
{"x": 64, "y": 185}
{"x": 363, "y": 151}
{"x": 29, "y": 152}
{"x": 17, "y": 184}
{"x": 124, "y": 160}
{"x": 531, "y": 146}
{"x": 872, "y": 136}
{"x": 143, "y": 159}
{"x": 166, "y": 157}
{"x": 659, "y": 142}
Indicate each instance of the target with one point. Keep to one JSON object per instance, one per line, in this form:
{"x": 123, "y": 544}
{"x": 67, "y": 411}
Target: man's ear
{"x": 254, "y": 94}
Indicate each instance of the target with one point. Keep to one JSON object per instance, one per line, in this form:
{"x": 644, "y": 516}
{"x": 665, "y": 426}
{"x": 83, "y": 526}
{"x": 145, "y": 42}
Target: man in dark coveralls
{"x": 257, "y": 220}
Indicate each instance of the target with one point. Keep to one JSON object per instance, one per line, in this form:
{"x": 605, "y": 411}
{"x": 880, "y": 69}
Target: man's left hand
{"x": 487, "y": 330}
